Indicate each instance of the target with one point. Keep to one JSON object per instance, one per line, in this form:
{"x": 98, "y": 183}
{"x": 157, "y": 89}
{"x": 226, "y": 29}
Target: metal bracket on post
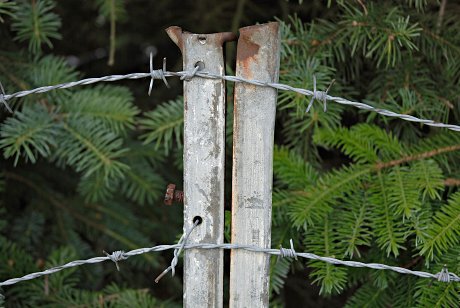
{"x": 204, "y": 154}
{"x": 253, "y": 137}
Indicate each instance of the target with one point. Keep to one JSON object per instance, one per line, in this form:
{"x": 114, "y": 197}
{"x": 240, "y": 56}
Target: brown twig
{"x": 382, "y": 165}
{"x": 413, "y": 262}
{"x": 442, "y": 10}
{"x": 451, "y": 182}
{"x": 363, "y": 6}
{"x": 441, "y": 39}
{"x": 112, "y": 33}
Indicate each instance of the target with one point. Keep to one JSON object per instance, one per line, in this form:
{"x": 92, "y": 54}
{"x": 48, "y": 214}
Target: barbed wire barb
{"x": 3, "y": 100}
{"x": 286, "y": 252}
{"x": 177, "y": 251}
{"x": 116, "y": 256}
{"x": 319, "y": 95}
{"x": 445, "y": 276}
{"x": 157, "y": 74}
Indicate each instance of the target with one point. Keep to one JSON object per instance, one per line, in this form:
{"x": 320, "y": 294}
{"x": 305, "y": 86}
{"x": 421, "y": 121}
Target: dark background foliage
{"x": 340, "y": 176}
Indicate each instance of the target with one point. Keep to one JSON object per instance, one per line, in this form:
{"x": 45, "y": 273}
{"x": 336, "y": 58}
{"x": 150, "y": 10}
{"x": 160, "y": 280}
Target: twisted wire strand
{"x": 177, "y": 251}
{"x": 444, "y": 275}
{"x": 322, "y": 96}
{"x": 288, "y": 252}
{"x": 187, "y": 75}
{"x": 87, "y": 81}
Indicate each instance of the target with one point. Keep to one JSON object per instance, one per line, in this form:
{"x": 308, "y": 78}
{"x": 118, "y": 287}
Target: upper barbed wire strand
{"x": 162, "y": 74}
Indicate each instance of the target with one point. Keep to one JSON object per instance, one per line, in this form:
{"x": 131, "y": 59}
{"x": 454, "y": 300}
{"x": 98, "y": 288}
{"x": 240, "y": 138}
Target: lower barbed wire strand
{"x": 177, "y": 251}
{"x": 193, "y": 73}
{"x": 443, "y": 276}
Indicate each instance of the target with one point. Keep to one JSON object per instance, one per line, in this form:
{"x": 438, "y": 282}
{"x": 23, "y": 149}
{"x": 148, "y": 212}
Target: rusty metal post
{"x": 204, "y": 153}
{"x": 253, "y": 133}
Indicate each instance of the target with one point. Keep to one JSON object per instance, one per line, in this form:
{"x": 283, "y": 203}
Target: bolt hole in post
{"x": 197, "y": 220}
{"x": 200, "y": 65}
{"x": 202, "y": 39}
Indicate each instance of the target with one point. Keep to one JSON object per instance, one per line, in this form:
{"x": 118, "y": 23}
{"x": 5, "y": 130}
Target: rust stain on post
{"x": 246, "y": 49}
{"x": 204, "y": 154}
{"x": 253, "y": 134}
{"x": 249, "y": 45}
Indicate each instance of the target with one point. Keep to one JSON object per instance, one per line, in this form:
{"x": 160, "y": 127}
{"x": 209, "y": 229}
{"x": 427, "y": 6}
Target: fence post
{"x": 204, "y": 154}
{"x": 253, "y": 134}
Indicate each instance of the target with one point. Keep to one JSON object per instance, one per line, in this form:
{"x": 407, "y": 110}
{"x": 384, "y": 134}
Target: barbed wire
{"x": 162, "y": 74}
{"x": 182, "y": 242}
{"x": 444, "y": 275}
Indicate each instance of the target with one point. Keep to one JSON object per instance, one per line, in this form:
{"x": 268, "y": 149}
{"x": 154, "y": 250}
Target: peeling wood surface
{"x": 204, "y": 154}
{"x": 253, "y": 137}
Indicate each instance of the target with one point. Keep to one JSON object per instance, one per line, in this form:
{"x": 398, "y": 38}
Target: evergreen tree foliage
{"x": 83, "y": 167}
{"x": 379, "y": 192}
{"x": 36, "y": 23}
{"x": 75, "y": 176}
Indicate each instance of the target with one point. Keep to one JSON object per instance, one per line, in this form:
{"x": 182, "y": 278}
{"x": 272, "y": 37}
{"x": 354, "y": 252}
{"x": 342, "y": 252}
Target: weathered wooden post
{"x": 204, "y": 153}
{"x": 253, "y": 133}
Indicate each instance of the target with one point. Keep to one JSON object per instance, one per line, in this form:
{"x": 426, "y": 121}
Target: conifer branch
{"x": 441, "y": 40}
{"x": 6, "y": 8}
{"x": 69, "y": 209}
{"x": 444, "y": 232}
{"x": 419, "y": 156}
{"x": 20, "y": 83}
{"x": 389, "y": 234}
{"x": 91, "y": 146}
